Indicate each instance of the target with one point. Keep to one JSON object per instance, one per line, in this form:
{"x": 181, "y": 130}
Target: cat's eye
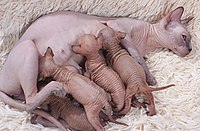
{"x": 184, "y": 37}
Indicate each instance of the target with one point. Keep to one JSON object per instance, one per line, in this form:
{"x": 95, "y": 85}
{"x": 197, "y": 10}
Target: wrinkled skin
{"x": 62, "y": 29}
{"x": 98, "y": 71}
{"x": 129, "y": 70}
{"x": 91, "y": 96}
{"x": 142, "y": 38}
{"x": 69, "y": 114}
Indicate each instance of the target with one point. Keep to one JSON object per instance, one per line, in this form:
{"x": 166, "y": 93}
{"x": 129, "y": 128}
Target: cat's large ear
{"x": 175, "y": 15}
{"x": 185, "y": 21}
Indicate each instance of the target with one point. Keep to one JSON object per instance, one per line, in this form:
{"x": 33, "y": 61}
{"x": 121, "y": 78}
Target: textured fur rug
{"x": 178, "y": 108}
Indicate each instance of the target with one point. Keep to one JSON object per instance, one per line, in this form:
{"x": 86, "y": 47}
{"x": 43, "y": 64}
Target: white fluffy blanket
{"x": 178, "y": 108}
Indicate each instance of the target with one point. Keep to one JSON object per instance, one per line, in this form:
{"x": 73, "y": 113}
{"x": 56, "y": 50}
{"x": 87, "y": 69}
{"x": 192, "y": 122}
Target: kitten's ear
{"x": 76, "y": 49}
{"x": 100, "y": 40}
{"x": 49, "y": 52}
{"x": 121, "y": 35}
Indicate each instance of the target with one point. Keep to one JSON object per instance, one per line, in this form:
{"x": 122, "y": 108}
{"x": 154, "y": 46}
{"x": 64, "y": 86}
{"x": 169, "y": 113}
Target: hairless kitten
{"x": 70, "y": 115}
{"x": 98, "y": 71}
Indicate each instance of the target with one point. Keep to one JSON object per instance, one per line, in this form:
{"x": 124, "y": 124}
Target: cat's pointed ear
{"x": 121, "y": 35}
{"x": 175, "y": 15}
{"x": 49, "y": 52}
{"x": 185, "y": 21}
{"x": 76, "y": 49}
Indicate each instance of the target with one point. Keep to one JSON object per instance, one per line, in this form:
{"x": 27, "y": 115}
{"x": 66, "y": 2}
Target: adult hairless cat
{"x": 60, "y": 30}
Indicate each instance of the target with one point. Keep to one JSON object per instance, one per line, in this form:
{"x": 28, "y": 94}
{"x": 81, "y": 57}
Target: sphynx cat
{"x": 70, "y": 115}
{"x": 97, "y": 69}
